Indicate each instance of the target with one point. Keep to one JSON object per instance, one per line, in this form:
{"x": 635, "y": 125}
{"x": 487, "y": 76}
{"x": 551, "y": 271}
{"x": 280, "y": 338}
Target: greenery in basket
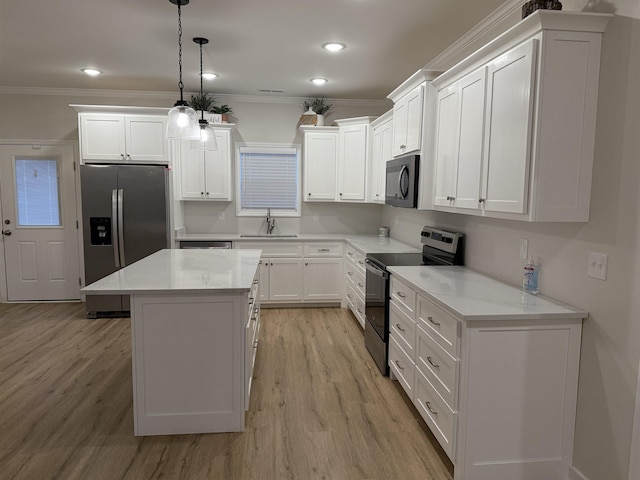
{"x": 222, "y": 109}
{"x": 318, "y": 105}
{"x": 202, "y": 101}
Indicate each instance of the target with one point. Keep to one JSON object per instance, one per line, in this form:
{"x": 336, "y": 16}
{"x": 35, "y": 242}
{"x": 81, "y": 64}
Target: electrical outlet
{"x": 221, "y": 215}
{"x": 524, "y": 248}
{"x": 597, "y": 267}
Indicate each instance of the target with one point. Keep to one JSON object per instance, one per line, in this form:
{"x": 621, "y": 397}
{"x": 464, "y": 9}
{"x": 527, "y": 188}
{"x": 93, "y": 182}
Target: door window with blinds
{"x": 268, "y": 177}
{"x": 37, "y": 192}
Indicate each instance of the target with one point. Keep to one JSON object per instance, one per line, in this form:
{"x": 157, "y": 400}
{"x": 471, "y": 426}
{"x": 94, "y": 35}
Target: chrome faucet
{"x": 271, "y": 222}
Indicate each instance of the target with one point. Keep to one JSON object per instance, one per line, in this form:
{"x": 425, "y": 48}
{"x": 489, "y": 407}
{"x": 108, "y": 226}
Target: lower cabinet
{"x": 355, "y": 282}
{"x": 498, "y": 394}
{"x": 297, "y": 272}
{"x": 252, "y": 329}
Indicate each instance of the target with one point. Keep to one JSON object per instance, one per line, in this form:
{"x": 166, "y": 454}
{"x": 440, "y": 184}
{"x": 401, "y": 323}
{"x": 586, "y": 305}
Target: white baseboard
{"x": 575, "y": 474}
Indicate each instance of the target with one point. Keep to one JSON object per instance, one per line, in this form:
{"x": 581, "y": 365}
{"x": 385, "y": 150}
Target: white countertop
{"x": 183, "y": 272}
{"x": 470, "y": 295}
{"x": 363, "y": 243}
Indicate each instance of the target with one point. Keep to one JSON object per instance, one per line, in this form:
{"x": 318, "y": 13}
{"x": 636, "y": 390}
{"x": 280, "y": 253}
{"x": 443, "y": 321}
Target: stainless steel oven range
{"x": 439, "y": 247}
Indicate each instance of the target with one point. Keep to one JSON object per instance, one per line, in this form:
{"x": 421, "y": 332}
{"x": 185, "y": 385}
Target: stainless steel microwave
{"x": 402, "y": 181}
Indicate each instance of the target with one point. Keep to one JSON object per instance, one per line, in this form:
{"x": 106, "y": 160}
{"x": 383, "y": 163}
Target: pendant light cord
{"x": 180, "y": 84}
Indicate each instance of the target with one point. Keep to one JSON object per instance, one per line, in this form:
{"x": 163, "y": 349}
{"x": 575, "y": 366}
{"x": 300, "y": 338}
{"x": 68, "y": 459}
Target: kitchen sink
{"x": 264, "y": 235}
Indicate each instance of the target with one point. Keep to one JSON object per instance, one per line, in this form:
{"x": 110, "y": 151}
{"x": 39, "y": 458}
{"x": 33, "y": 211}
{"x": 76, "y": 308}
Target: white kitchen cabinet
{"x": 285, "y": 276}
{"x": 320, "y": 159}
{"x": 322, "y": 279}
{"x": 497, "y": 388}
{"x": 206, "y": 175}
{"x": 459, "y": 149}
{"x": 355, "y": 286}
{"x": 407, "y": 122}
{"x": 536, "y": 140}
{"x": 115, "y": 137}
{"x": 354, "y": 137}
{"x": 382, "y": 131}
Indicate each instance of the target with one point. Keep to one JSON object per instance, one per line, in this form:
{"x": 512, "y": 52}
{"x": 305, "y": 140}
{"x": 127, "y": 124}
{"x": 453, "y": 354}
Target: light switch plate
{"x": 597, "y": 267}
{"x": 524, "y": 248}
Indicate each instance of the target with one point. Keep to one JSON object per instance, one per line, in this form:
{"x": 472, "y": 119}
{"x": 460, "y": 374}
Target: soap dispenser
{"x": 530, "y": 279}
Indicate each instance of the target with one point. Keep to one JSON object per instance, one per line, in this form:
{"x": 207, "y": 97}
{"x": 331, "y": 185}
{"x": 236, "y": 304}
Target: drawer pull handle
{"x": 360, "y": 310}
{"x": 361, "y": 285}
{"x": 399, "y": 366}
{"x": 255, "y": 344}
{"x": 255, "y": 282}
{"x": 433, "y": 412}
{"x": 399, "y": 327}
{"x": 350, "y": 254}
{"x": 401, "y": 295}
{"x": 360, "y": 262}
{"x": 434, "y": 365}
{"x": 349, "y": 295}
{"x": 350, "y": 273}
{"x": 324, "y": 250}
{"x": 430, "y": 318}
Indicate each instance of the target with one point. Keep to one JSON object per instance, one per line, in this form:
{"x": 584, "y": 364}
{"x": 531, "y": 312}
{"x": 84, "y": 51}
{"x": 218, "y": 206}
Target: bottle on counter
{"x": 530, "y": 279}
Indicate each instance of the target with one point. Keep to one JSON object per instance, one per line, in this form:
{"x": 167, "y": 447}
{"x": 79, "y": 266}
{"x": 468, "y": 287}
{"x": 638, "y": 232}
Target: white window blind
{"x": 269, "y": 178}
{"x": 37, "y": 192}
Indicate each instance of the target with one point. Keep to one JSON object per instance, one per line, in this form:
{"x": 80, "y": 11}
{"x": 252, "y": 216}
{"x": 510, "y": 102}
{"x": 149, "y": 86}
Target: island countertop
{"x": 173, "y": 271}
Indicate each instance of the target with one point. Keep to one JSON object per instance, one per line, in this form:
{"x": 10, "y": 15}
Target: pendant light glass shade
{"x": 206, "y": 135}
{"x": 206, "y": 141}
{"x": 183, "y": 121}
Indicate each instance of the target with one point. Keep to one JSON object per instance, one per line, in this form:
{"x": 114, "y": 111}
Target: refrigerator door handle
{"x": 121, "y": 226}
{"x": 114, "y": 220}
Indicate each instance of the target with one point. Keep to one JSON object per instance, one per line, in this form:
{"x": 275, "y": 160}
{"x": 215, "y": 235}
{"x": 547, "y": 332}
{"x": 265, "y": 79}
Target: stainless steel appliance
{"x": 439, "y": 248}
{"x": 402, "y": 181}
{"x": 125, "y": 217}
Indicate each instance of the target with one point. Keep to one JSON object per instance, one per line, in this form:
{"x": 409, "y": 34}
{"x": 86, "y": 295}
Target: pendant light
{"x": 182, "y": 122}
{"x": 207, "y": 139}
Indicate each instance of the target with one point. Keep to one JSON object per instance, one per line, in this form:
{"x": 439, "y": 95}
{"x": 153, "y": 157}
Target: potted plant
{"x": 319, "y": 106}
{"x": 223, "y": 110}
{"x": 202, "y": 102}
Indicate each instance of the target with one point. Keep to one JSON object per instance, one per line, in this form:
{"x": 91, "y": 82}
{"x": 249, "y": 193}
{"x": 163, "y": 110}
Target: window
{"x": 37, "y": 192}
{"x": 268, "y": 176}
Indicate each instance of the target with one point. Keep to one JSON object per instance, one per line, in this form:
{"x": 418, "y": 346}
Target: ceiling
{"x": 253, "y": 45}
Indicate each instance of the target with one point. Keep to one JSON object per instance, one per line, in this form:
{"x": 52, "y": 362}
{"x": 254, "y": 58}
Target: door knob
{"x": 7, "y": 221}
{"x": 6, "y": 232}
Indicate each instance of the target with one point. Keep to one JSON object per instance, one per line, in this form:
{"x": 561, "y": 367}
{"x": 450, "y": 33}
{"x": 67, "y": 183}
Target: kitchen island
{"x": 195, "y": 318}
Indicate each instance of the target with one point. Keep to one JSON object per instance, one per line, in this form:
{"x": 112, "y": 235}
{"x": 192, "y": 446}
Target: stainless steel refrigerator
{"x": 125, "y": 215}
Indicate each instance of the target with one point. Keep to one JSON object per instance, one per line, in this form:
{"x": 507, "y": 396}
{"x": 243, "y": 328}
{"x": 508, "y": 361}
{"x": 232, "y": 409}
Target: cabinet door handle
{"x": 309, "y": 194}
{"x": 430, "y": 360}
{"x": 401, "y": 295}
{"x": 306, "y": 263}
{"x": 271, "y": 264}
{"x": 122, "y": 156}
{"x": 481, "y": 200}
{"x": 403, "y": 146}
{"x": 399, "y": 366}
{"x": 399, "y": 327}
{"x": 128, "y": 156}
{"x": 430, "y": 318}
{"x": 433, "y": 412}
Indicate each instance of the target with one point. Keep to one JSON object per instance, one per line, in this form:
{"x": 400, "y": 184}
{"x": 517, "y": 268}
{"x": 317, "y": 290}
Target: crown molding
{"x": 499, "y": 16}
{"x": 169, "y": 97}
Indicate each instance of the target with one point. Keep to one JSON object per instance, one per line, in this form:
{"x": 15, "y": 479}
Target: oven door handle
{"x": 373, "y": 268}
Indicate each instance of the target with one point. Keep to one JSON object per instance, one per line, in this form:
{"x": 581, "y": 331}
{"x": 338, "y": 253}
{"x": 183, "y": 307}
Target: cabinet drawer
{"x": 273, "y": 249}
{"x": 443, "y": 327}
{"x": 350, "y": 297}
{"x": 438, "y": 366}
{"x": 323, "y": 249}
{"x": 356, "y": 257}
{"x": 403, "y": 329}
{"x": 402, "y": 367}
{"x": 438, "y": 416}
{"x": 356, "y": 279}
{"x": 404, "y": 296}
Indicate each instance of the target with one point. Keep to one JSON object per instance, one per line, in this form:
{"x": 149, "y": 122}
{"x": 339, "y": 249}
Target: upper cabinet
{"x": 336, "y": 161}
{"x": 320, "y": 154}
{"x": 123, "y": 134}
{"x": 408, "y": 113}
{"x": 516, "y": 122}
{"x": 354, "y": 137}
{"x": 382, "y": 131}
{"x": 206, "y": 175}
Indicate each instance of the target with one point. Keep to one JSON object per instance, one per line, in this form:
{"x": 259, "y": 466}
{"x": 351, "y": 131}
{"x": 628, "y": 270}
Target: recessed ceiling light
{"x": 93, "y": 72}
{"x": 334, "y": 46}
{"x": 319, "y": 81}
{"x": 209, "y": 76}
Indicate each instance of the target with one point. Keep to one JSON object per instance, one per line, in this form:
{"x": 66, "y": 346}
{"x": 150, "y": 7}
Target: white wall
{"x": 611, "y": 335}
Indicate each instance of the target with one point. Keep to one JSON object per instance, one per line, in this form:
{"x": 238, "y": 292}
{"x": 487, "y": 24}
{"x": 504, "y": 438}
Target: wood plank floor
{"x": 319, "y": 407}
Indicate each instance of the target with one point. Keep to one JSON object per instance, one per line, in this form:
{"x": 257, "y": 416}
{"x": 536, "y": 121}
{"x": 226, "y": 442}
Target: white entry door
{"x": 39, "y": 229}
